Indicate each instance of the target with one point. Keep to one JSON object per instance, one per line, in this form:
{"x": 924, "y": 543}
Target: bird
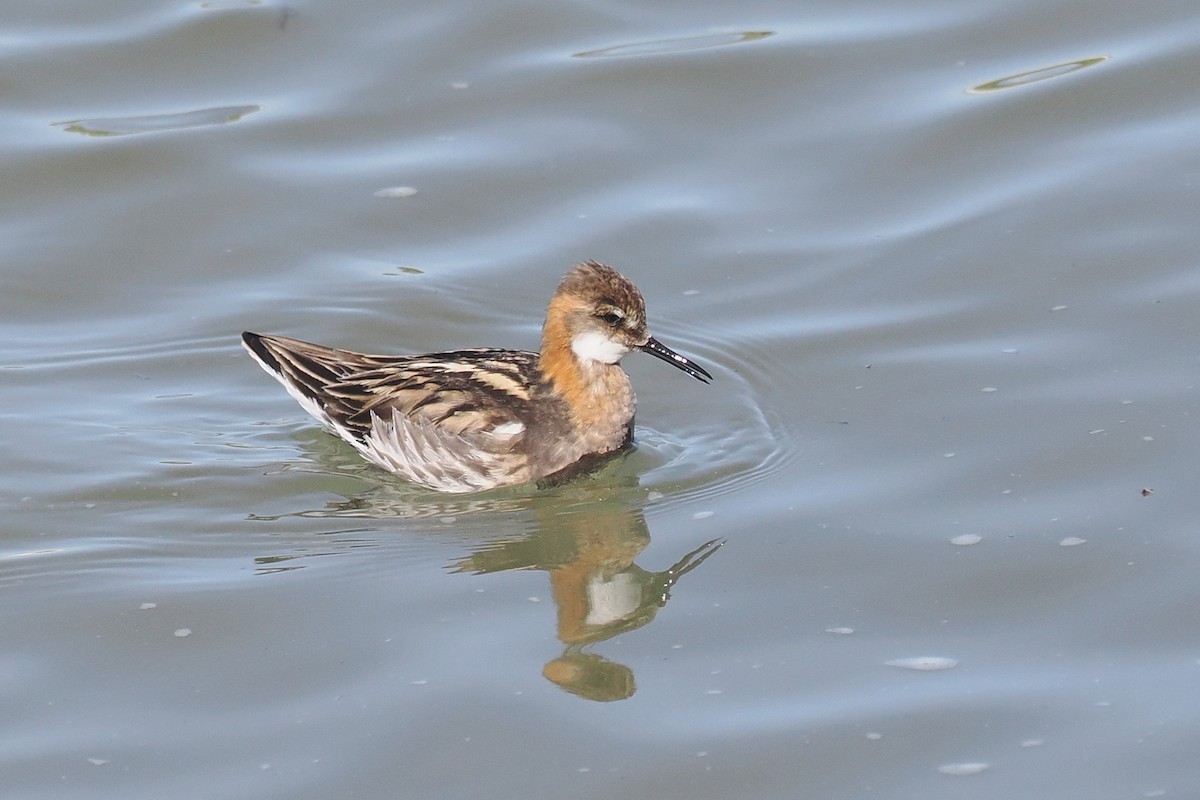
{"x": 477, "y": 419}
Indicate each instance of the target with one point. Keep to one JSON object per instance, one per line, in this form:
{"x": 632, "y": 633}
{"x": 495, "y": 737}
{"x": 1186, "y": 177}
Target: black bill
{"x": 656, "y": 348}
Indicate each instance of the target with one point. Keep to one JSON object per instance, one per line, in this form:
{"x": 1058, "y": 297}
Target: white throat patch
{"x": 595, "y": 346}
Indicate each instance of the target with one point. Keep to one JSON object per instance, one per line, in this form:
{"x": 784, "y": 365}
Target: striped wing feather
{"x": 452, "y": 421}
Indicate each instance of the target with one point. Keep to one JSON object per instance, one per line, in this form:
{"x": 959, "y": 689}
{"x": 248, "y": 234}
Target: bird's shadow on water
{"x": 585, "y": 534}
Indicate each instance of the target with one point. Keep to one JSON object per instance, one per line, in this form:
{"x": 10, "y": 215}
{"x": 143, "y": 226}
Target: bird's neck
{"x": 598, "y": 394}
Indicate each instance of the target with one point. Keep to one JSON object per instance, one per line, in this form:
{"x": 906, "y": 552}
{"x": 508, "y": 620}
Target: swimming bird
{"x": 470, "y": 420}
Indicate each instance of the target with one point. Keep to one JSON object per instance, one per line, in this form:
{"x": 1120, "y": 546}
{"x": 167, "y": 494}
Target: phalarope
{"x": 469, "y": 420}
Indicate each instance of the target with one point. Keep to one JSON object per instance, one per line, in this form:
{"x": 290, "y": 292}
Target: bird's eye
{"x": 611, "y": 318}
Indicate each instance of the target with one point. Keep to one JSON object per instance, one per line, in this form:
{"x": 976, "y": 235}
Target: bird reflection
{"x": 585, "y": 535}
{"x": 599, "y": 592}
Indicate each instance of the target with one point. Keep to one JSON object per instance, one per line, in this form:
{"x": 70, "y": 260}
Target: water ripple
{"x": 682, "y": 44}
{"x": 1035, "y": 75}
{"x": 155, "y": 123}
{"x": 738, "y": 439}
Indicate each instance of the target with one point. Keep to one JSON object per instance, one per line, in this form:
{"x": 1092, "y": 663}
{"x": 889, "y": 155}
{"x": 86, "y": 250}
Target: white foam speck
{"x": 182, "y": 632}
{"x": 923, "y": 663}
{"x": 967, "y": 768}
{"x": 840, "y": 631}
{"x": 702, "y": 515}
{"x": 1071, "y": 541}
{"x": 967, "y": 539}
{"x": 393, "y": 192}
{"x": 148, "y": 606}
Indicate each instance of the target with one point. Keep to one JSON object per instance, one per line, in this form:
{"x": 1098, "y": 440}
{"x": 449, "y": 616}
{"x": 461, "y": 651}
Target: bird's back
{"x": 456, "y": 421}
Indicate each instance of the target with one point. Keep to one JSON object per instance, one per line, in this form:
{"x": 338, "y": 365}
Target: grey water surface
{"x": 933, "y": 531}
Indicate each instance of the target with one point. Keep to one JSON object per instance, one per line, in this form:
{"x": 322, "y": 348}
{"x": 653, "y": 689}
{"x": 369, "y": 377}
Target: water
{"x": 941, "y": 260}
